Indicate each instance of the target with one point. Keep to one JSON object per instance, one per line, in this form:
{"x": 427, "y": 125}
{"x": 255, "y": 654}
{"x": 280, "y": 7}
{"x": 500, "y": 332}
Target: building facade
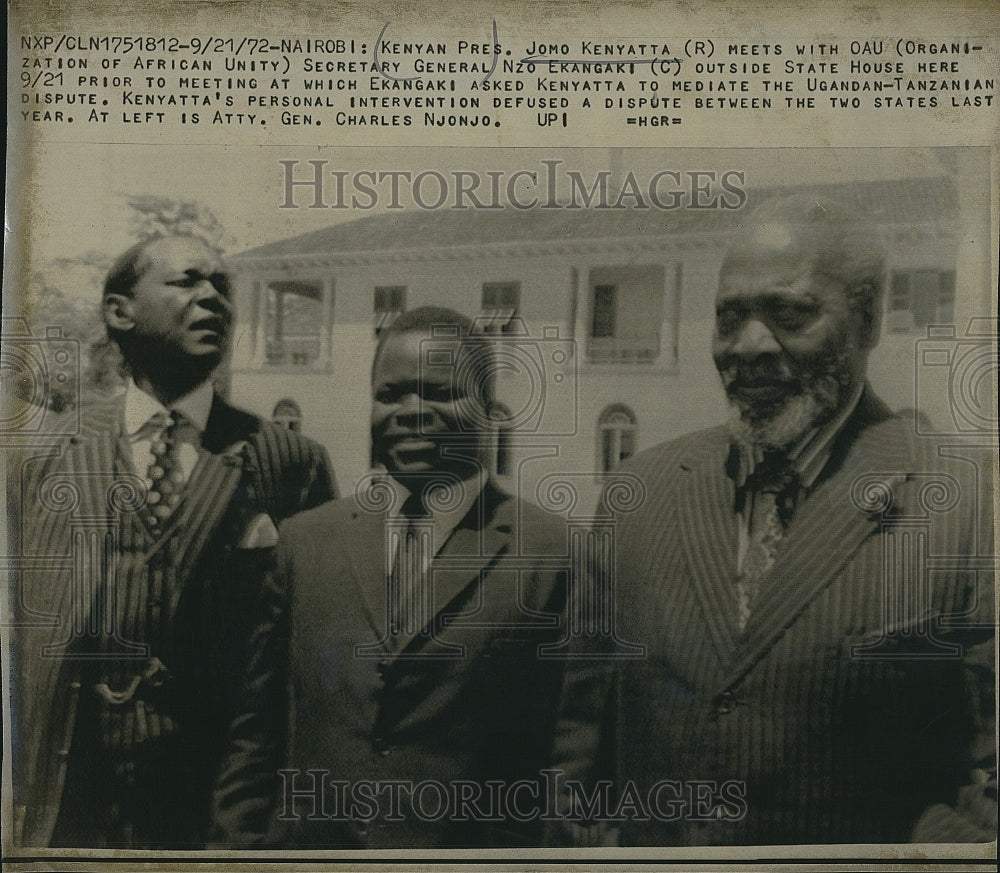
{"x": 602, "y": 319}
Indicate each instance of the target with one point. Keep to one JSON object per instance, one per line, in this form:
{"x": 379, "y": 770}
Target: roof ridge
{"x": 929, "y": 198}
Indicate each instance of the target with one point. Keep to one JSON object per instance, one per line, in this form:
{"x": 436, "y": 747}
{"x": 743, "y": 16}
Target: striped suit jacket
{"x": 68, "y": 507}
{"x": 857, "y": 705}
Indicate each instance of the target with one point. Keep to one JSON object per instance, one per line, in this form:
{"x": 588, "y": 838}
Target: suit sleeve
{"x": 248, "y": 783}
{"x": 584, "y": 737}
{"x": 585, "y": 733}
{"x": 32, "y": 728}
{"x": 294, "y": 472}
{"x": 10, "y": 467}
{"x": 323, "y": 486}
{"x": 971, "y": 815}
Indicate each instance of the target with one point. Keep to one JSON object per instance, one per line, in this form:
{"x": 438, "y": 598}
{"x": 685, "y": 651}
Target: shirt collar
{"x": 810, "y": 454}
{"x": 445, "y": 520}
{"x": 140, "y": 407}
{"x": 806, "y": 458}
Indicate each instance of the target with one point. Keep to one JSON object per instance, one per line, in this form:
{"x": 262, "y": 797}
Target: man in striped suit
{"x": 143, "y": 537}
{"x": 812, "y": 584}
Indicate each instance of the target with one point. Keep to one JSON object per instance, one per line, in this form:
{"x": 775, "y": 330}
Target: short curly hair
{"x": 425, "y": 320}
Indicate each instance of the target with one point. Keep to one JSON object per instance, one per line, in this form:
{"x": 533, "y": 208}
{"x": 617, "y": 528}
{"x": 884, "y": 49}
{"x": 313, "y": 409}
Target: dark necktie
{"x": 165, "y": 473}
{"x": 410, "y": 567}
{"x": 769, "y": 500}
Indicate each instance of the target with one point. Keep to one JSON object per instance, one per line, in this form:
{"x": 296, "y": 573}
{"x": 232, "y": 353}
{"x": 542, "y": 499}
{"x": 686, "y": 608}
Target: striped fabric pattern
{"x": 79, "y": 496}
{"x": 833, "y": 717}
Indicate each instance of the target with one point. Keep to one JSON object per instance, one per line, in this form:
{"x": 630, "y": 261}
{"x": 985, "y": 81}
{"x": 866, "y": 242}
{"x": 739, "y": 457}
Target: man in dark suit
{"x": 812, "y": 584}
{"x": 416, "y": 612}
{"x": 143, "y": 537}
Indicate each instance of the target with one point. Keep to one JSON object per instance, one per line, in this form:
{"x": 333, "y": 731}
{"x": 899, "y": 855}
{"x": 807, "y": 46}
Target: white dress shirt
{"x": 146, "y": 418}
{"x": 455, "y": 506}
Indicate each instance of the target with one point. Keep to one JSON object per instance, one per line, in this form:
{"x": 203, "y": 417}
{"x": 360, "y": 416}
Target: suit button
{"x": 62, "y": 754}
{"x": 724, "y": 703}
{"x": 74, "y": 686}
{"x": 381, "y": 746}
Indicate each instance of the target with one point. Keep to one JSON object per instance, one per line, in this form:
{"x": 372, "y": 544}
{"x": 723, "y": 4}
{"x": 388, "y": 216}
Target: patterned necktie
{"x": 410, "y": 567}
{"x": 165, "y": 473}
{"x": 769, "y": 501}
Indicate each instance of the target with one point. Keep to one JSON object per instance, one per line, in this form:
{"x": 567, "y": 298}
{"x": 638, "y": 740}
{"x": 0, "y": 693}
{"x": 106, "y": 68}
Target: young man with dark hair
{"x": 408, "y": 628}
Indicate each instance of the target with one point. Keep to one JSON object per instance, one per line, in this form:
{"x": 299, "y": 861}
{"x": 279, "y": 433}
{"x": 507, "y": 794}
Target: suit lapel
{"x": 474, "y": 545}
{"x": 88, "y": 464}
{"x": 709, "y": 534}
{"x": 366, "y": 550}
{"x": 206, "y": 498}
{"x": 94, "y": 458}
{"x": 826, "y": 530}
{"x": 471, "y": 550}
{"x": 209, "y": 490}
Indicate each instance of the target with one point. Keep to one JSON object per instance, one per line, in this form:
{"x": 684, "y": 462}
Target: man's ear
{"x": 872, "y": 325}
{"x": 118, "y": 311}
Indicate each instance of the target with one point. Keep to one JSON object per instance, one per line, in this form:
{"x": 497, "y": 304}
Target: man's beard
{"x": 823, "y": 389}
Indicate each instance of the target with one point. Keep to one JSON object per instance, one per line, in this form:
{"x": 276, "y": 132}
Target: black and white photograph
{"x": 473, "y": 470}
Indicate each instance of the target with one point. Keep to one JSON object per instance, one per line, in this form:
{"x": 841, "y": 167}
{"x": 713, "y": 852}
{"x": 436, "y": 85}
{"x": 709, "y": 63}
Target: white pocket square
{"x": 260, "y": 533}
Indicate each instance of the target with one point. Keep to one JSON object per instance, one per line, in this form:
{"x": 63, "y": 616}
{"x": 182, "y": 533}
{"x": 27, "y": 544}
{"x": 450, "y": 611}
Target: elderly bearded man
{"x": 798, "y": 685}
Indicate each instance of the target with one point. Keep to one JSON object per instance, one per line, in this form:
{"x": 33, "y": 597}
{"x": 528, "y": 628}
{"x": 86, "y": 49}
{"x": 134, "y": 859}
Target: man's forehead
{"x": 783, "y": 245}
{"x": 763, "y": 261}
{"x": 426, "y": 343}
{"x": 776, "y": 251}
{"x": 180, "y": 254}
{"x": 426, "y": 355}
{"x": 754, "y": 272}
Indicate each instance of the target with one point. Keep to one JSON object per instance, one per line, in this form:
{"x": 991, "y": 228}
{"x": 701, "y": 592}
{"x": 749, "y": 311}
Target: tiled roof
{"x": 932, "y": 199}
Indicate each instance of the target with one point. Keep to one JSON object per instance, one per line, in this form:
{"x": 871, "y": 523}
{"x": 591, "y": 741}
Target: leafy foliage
{"x": 65, "y": 293}
{"x": 152, "y": 215}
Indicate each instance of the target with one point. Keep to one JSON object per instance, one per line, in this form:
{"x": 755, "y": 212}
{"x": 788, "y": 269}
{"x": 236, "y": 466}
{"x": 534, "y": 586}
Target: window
{"x": 390, "y": 302}
{"x": 287, "y": 414}
{"x": 501, "y": 305}
{"x": 501, "y": 416}
{"x": 294, "y": 321}
{"x": 918, "y": 298}
{"x": 605, "y": 310}
{"x": 625, "y": 315}
{"x": 617, "y": 430}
